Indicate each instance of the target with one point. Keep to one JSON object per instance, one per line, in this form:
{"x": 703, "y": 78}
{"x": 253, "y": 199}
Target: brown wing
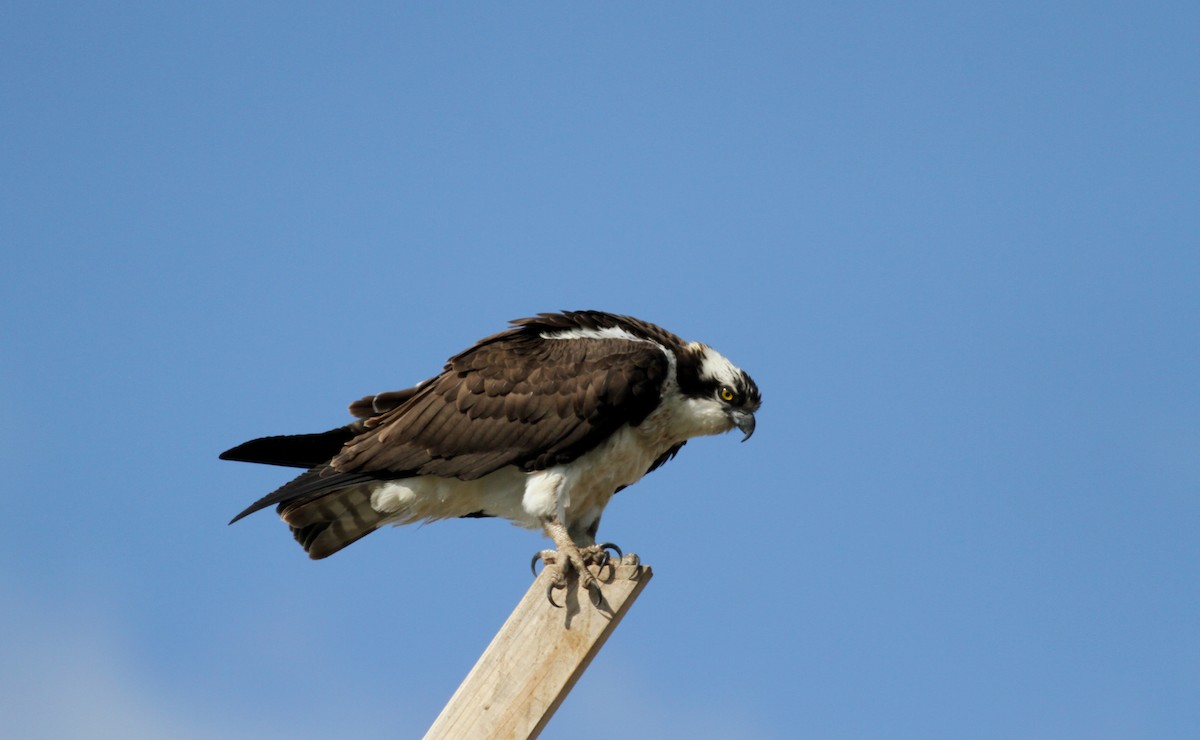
{"x": 512, "y": 399}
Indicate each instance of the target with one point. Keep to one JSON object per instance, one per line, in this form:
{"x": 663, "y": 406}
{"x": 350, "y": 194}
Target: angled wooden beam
{"x": 537, "y": 656}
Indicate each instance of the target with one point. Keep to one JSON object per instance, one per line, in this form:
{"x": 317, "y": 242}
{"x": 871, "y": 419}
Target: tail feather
{"x": 333, "y": 521}
{"x": 294, "y": 450}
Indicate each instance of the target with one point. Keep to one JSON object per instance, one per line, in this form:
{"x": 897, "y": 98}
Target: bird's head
{"x": 719, "y": 394}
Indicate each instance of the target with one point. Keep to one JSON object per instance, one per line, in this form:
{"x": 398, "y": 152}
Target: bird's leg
{"x": 570, "y": 556}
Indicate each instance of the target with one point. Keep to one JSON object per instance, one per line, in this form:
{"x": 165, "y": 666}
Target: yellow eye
{"x": 726, "y": 393}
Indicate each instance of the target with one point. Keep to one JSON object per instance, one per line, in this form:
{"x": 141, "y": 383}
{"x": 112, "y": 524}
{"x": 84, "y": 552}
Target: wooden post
{"x": 537, "y": 656}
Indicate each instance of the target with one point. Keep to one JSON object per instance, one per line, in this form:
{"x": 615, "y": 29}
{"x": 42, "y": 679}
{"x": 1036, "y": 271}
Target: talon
{"x": 550, "y": 596}
{"x": 604, "y": 561}
{"x": 533, "y": 563}
{"x": 596, "y": 595}
{"x": 603, "y": 558}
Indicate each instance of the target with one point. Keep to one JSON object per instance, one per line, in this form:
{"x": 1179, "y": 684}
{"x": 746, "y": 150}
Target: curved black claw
{"x": 603, "y": 558}
{"x": 595, "y": 594}
{"x": 550, "y": 596}
{"x": 533, "y": 563}
{"x": 611, "y": 546}
{"x": 602, "y": 561}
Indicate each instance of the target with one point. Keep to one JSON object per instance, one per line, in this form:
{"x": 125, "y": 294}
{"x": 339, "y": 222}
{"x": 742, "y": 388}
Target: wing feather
{"x": 519, "y": 400}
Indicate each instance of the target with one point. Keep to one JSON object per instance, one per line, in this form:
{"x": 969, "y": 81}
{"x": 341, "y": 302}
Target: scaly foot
{"x": 571, "y": 557}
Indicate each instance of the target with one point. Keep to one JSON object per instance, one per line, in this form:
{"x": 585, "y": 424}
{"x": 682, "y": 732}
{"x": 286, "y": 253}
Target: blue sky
{"x": 955, "y": 244}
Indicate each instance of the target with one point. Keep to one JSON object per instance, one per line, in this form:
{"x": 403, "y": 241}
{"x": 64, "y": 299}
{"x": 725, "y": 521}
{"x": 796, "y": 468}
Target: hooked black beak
{"x": 743, "y": 420}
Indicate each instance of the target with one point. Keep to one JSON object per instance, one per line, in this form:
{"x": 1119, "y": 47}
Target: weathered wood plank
{"x": 536, "y": 658}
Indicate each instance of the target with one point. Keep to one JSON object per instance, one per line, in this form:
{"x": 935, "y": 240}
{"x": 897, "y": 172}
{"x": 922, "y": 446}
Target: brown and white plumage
{"x": 540, "y": 424}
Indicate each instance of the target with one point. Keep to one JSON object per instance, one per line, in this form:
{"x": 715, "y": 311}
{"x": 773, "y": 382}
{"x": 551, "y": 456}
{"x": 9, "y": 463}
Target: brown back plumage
{"x": 512, "y": 399}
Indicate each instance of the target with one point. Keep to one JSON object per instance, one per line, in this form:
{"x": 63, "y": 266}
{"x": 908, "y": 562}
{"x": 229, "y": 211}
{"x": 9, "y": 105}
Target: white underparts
{"x": 573, "y": 493}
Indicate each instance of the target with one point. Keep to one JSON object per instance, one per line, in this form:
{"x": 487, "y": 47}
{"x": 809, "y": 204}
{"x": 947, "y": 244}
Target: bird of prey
{"x": 539, "y": 424}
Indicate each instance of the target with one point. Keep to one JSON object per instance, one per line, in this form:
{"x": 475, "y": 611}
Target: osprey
{"x": 540, "y": 424}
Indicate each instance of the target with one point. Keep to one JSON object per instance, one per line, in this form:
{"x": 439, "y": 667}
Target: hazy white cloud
{"x": 73, "y": 671}
{"x": 68, "y": 676}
